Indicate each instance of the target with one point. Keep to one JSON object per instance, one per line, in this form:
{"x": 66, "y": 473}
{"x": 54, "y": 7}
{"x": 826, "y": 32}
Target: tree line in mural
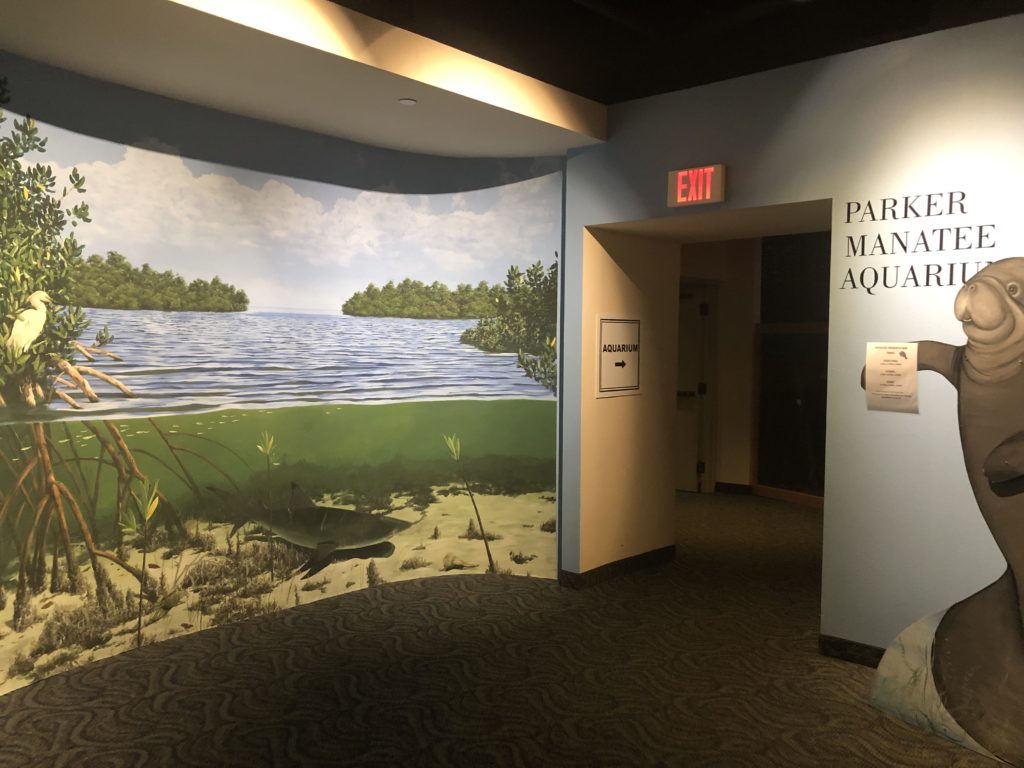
{"x": 114, "y": 283}
{"x": 525, "y": 322}
{"x": 520, "y": 316}
{"x": 414, "y": 299}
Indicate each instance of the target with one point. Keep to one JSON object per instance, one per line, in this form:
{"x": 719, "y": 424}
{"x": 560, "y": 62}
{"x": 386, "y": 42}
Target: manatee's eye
{"x": 1012, "y": 288}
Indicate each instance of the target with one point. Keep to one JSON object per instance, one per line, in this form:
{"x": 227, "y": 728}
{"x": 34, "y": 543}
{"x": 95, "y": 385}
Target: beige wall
{"x": 733, "y": 266}
{"x": 626, "y": 472}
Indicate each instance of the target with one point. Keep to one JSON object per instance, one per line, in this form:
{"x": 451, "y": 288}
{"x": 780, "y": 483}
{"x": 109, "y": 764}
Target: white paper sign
{"x": 890, "y": 376}
{"x": 618, "y": 357}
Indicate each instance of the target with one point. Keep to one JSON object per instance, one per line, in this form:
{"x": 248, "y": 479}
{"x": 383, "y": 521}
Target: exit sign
{"x": 695, "y": 186}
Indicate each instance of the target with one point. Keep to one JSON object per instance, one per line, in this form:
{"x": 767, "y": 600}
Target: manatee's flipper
{"x": 1004, "y": 467}
{"x": 381, "y": 549}
{"x": 317, "y": 563}
{"x": 320, "y": 559}
{"x": 931, "y": 356}
{"x": 941, "y": 358}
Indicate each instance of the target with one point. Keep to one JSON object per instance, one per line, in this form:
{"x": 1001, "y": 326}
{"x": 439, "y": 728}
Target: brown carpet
{"x": 709, "y": 661}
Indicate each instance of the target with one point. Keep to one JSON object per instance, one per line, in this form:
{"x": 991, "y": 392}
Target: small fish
{"x": 186, "y": 625}
{"x": 153, "y": 565}
{"x": 47, "y": 604}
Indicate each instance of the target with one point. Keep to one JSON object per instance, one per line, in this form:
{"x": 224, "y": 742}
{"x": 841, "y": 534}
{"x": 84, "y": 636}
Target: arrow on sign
{"x": 620, "y": 364}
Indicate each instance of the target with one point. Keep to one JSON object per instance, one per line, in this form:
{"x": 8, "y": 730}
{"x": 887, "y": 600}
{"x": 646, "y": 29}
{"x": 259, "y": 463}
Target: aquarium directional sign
{"x": 618, "y": 357}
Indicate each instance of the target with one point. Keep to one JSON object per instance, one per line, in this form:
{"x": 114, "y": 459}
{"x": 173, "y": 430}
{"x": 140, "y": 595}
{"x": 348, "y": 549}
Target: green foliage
{"x": 38, "y": 252}
{"x": 145, "y": 505}
{"x": 542, "y": 367}
{"x": 265, "y": 445}
{"x": 525, "y": 322}
{"x": 411, "y": 298}
{"x": 114, "y": 283}
{"x": 104, "y": 336}
{"x": 454, "y": 446}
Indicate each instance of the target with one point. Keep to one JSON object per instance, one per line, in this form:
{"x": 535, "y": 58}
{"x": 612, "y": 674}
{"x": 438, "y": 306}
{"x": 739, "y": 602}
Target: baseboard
{"x": 793, "y": 497}
{"x": 617, "y": 568}
{"x": 850, "y": 650}
{"x": 739, "y": 488}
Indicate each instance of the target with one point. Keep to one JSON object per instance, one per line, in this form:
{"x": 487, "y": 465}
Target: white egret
{"x": 29, "y": 323}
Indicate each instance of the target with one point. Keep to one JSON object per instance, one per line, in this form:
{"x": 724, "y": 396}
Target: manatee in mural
{"x": 331, "y": 532}
{"x": 961, "y": 672}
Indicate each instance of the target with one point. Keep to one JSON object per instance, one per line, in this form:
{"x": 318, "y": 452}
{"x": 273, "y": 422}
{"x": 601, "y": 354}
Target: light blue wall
{"x": 940, "y": 112}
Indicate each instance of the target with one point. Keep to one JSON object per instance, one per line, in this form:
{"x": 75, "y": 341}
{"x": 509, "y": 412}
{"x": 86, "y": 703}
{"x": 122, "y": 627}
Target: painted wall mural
{"x": 193, "y": 432}
{"x": 960, "y": 672}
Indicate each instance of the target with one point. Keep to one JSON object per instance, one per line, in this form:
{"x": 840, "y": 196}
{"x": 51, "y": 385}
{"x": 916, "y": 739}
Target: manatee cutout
{"x": 973, "y": 653}
{"x": 1004, "y": 467}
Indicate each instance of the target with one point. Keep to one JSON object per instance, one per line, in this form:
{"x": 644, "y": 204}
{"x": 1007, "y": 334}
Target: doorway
{"x": 620, "y": 467}
{"x": 750, "y": 402}
{"x": 695, "y": 391}
{"x": 792, "y": 367}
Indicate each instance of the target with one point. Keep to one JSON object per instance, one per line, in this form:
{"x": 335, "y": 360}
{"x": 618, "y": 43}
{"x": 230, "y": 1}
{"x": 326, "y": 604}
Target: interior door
{"x": 692, "y": 391}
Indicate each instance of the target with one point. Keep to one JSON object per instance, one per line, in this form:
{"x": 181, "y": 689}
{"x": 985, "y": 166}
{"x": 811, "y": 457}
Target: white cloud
{"x": 452, "y": 262}
{"x": 152, "y": 207}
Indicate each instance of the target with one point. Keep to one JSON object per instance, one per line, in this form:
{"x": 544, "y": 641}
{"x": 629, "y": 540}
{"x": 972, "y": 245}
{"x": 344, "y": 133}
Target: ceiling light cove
{"x": 336, "y": 30}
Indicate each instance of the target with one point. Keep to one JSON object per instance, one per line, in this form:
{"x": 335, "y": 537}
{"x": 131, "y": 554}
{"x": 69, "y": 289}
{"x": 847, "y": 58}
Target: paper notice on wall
{"x": 890, "y": 376}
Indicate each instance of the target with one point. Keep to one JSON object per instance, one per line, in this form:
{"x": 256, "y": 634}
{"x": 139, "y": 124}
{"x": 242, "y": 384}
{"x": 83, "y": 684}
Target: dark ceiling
{"x": 615, "y": 50}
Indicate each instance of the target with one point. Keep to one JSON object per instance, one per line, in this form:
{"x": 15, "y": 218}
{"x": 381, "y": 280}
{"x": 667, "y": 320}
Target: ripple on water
{"x": 196, "y": 361}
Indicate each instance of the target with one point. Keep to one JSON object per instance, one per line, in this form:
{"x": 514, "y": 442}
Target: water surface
{"x": 197, "y": 361}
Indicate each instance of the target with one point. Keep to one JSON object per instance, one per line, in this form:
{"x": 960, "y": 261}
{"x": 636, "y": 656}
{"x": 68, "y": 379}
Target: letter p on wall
{"x": 695, "y": 186}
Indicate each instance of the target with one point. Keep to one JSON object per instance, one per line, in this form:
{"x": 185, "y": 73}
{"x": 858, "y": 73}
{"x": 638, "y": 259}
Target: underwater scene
{"x": 257, "y": 510}
{"x": 224, "y": 393}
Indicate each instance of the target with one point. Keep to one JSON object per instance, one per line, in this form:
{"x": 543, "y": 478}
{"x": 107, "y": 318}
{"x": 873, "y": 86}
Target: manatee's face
{"x": 990, "y": 305}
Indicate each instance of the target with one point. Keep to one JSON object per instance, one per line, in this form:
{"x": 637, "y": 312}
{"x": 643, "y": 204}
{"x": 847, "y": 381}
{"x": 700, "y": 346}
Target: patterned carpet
{"x": 708, "y": 661}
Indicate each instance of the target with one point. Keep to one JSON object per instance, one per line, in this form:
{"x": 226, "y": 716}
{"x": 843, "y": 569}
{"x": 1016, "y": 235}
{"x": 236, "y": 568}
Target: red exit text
{"x": 693, "y": 186}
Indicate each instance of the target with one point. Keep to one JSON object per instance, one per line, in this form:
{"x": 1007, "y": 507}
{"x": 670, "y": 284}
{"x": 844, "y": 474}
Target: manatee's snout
{"x": 981, "y": 303}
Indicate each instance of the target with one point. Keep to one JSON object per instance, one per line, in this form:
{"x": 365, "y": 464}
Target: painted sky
{"x": 295, "y": 244}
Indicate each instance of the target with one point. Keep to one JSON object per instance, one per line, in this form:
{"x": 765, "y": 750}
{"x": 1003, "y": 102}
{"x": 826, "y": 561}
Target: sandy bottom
{"x": 522, "y": 548}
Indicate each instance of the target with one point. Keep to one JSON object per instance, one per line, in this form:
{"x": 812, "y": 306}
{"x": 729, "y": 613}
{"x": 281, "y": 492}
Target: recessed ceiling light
{"x": 407, "y": 102}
